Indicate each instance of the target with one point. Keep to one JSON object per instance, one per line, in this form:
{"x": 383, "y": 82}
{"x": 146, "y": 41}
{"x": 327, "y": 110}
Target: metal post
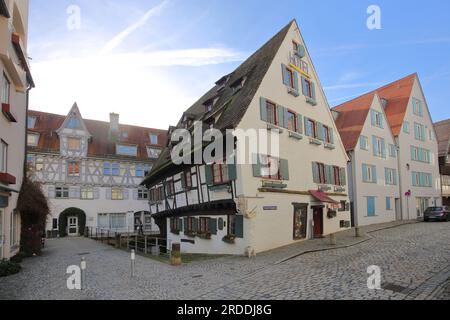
{"x": 357, "y": 232}
{"x": 145, "y": 244}
{"x": 133, "y": 262}
{"x": 136, "y": 244}
{"x": 83, "y": 273}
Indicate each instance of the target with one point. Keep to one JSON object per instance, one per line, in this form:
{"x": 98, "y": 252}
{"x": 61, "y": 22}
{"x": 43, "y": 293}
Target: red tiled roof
{"x": 353, "y": 114}
{"x": 101, "y": 145}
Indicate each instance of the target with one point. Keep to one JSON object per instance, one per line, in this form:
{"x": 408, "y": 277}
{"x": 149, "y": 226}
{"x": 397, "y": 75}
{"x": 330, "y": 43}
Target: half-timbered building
{"x": 93, "y": 166}
{"x": 228, "y": 208}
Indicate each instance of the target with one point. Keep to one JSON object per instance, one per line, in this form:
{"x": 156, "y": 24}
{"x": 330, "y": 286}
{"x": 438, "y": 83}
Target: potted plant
{"x": 230, "y": 239}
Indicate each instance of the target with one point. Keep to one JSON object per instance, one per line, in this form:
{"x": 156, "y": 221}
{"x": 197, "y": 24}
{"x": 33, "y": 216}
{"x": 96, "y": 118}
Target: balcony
{"x": 7, "y": 179}
{"x": 6, "y": 110}
{"x": 298, "y": 64}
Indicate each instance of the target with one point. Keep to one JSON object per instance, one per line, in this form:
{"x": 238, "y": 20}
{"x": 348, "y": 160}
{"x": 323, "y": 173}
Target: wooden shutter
{"x": 209, "y": 175}
{"x": 286, "y": 118}
{"x": 372, "y": 118}
{"x": 239, "y": 226}
{"x": 183, "y": 180}
{"x": 364, "y": 173}
{"x": 186, "y": 225}
{"x": 280, "y": 116}
{"x": 284, "y": 169}
{"x": 213, "y": 226}
{"x": 394, "y": 172}
{"x": 286, "y": 80}
{"x": 329, "y": 173}
{"x": 304, "y": 86}
{"x": 180, "y": 222}
{"x": 295, "y": 80}
{"x": 331, "y": 135}
{"x": 299, "y": 124}
{"x": 313, "y": 90}
{"x": 375, "y": 146}
{"x": 374, "y": 173}
{"x": 383, "y": 148}
{"x": 315, "y": 170}
{"x": 307, "y": 127}
{"x": 256, "y": 165}
{"x": 343, "y": 176}
{"x": 263, "y": 109}
{"x": 320, "y": 134}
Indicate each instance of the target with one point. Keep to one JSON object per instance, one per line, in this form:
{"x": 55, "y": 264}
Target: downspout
{"x": 400, "y": 182}
{"x": 26, "y": 129}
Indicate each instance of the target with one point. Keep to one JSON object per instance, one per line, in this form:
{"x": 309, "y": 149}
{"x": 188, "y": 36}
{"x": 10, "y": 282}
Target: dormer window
{"x": 124, "y": 135}
{"x": 125, "y": 150}
{"x": 153, "y": 153}
{"x": 209, "y": 105}
{"x": 222, "y": 82}
{"x": 74, "y": 144}
{"x": 154, "y": 139}
{"x": 239, "y": 84}
{"x": 31, "y": 122}
{"x": 73, "y": 123}
{"x": 33, "y": 139}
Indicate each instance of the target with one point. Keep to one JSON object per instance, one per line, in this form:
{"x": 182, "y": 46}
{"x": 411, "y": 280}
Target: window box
{"x": 314, "y": 141}
{"x": 274, "y": 185}
{"x": 190, "y": 234}
{"x": 204, "y": 235}
{"x": 339, "y": 189}
{"x": 6, "y": 109}
{"x": 6, "y": 178}
{"x": 229, "y": 239}
{"x": 295, "y": 135}
{"x": 311, "y": 101}
{"x": 324, "y": 188}
{"x": 274, "y": 127}
{"x": 177, "y": 232}
{"x": 293, "y": 91}
{"x": 220, "y": 187}
{"x": 329, "y": 146}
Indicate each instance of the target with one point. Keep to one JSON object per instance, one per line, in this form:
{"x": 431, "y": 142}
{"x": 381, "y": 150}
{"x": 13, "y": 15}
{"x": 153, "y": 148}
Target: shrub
{"x": 71, "y": 212}
{"x": 8, "y": 268}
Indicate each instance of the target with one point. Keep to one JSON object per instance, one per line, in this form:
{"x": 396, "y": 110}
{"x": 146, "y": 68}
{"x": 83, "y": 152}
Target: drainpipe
{"x": 354, "y": 192}
{"x": 400, "y": 183}
{"x": 26, "y": 129}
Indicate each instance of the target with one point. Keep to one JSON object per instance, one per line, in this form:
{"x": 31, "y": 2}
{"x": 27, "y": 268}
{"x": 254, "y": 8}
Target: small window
{"x": 311, "y": 129}
{"x": 271, "y": 109}
{"x": 55, "y": 224}
{"x": 292, "y": 121}
{"x": 154, "y": 139}
{"x": 392, "y": 151}
{"x": 74, "y": 123}
{"x": 116, "y": 194}
{"x": 142, "y": 194}
{"x": 153, "y": 153}
{"x": 170, "y": 188}
{"x": 3, "y": 156}
{"x": 39, "y": 164}
{"x": 62, "y": 193}
{"x": 406, "y": 127}
{"x": 220, "y": 173}
{"x": 270, "y": 168}
{"x": 6, "y": 89}
{"x": 204, "y": 225}
{"x": 326, "y": 134}
{"x": 337, "y": 176}
{"x": 87, "y": 193}
{"x": 115, "y": 169}
{"x": 73, "y": 169}
{"x": 31, "y": 122}
{"x": 307, "y": 90}
{"x": 74, "y": 144}
{"x": 125, "y": 150}
{"x": 139, "y": 171}
{"x": 107, "y": 168}
{"x": 364, "y": 143}
{"x": 188, "y": 179}
{"x": 33, "y": 139}
{"x": 388, "y": 203}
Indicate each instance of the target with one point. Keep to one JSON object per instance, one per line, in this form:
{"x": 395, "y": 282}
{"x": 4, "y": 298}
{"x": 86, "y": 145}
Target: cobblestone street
{"x": 414, "y": 261}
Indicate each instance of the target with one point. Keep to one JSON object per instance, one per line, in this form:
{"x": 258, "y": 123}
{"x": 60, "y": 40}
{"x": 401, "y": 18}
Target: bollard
{"x": 175, "y": 256}
{"x": 357, "y": 232}
{"x": 333, "y": 239}
{"x": 133, "y": 264}
{"x": 83, "y": 273}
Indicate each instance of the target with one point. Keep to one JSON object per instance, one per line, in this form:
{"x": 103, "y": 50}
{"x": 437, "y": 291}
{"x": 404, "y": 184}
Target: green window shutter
{"x": 412, "y": 153}
{"x": 307, "y": 127}
{"x": 299, "y": 124}
{"x": 320, "y": 135}
{"x": 386, "y": 175}
{"x": 422, "y": 128}
{"x": 364, "y": 173}
{"x": 239, "y": 226}
{"x": 209, "y": 175}
{"x": 220, "y": 224}
{"x": 315, "y": 170}
{"x": 304, "y": 86}
{"x": 331, "y": 135}
{"x": 280, "y": 116}
{"x": 381, "y": 120}
{"x": 372, "y": 118}
{"x": 181, "y": 224}
{"x": 295, "y": 80}
{"x": 256, "y": 165}
{"x": 375, "y": 176}
{"x": 343, "y": 176}
{"x": 394, "y": 172}
{"x": 388, "y": 203}
{"x": 185, "y": 225}
{"x": 213, "y": 226}
{"x": 286, "y": 80}
{"x": 329, "y": 174}
{"x": 263, "y": 109}
{"x": 195, "y": 224}
{"x": 375, "y": 146}
{"x": 313, "y": 90}
{"x": 301, "y": 51}
{"x": 183, "y": 180}
{"x": 286, "y": 118}
{"x": 284, "y": 169}
{"x": 383, "y": 148}
{"x": 232, "y": 174}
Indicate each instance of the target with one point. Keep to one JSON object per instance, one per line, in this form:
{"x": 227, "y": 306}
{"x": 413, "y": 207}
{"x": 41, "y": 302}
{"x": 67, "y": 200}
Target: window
{"x": 406, "y": 127}
{"x": 147, "y": 169}
{"x": 292, "y": 121}
{"x": 392, "y": 151}
{"x": 220, "y": 173}
{"x": 417, "y": 107}
{"x": 139, "y": 171}
{"x": 73, "y": 169}
{"x": 187, "y": 179}
{"x": 204, "y": 225}
{"x": 153, "y": 138}
{"x": 153, "y": 153}
{"x": 55, "y": 224}
{"x": 125, "y": 150}
{"x": 270, "y": 167}
{"x": 419, "y": 132}
{"x": 156, "y": 194}
{"x": 124, "y": 135}
{"x": 421, "y": 179}
{"x": 191, "y": 227}
{"x": 232, "y": 225}
{"x": 326, "y": 134}
{"x": 379, "y": 147}
{"x": 170, "y": 188}
{"x": 74, "y": 144}
{"x": 388, "y": 203}
{"x": 115, "y": 169}
{"x": 175, "y": 224}
{"x": 73, "y": 123}
{"x": 337, "y": 176}
{"x": 376, "y": 119}
{"x": 6, "y": 89}
{"x": 420, "y": 154}
{"x": 3, "y": 156}
{"x": 311, "y": 130}
{"x": 33, "y": 139}
{"x": 106, "y": 168}
{"x": 118, "y": 220}
{"x": 307, "y": 88}
{"x": 370, "y": 206}
{"x": 62, "y": 192}
{"x": 209, "y": 106}
{"x": 142, "y": 194}
{"x": 369, "y": 173}
{"x": 271, "y": 110}
{"x": 390, "y": 176}
{"x": 87, "y": 193}
{"x": 31, "y": 122}
{"x": 116, "y": 194}
{"x": 39, "y": 164}
{"x": 431, "y": 134}
{"x": 364, "y": 143}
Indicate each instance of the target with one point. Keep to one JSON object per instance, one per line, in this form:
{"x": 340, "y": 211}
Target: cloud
{"x": 119, "y": 38}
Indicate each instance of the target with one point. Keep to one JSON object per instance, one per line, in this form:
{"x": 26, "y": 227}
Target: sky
{"x": 150, "y": 60}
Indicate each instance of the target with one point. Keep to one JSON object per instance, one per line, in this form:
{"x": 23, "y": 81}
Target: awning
{"x": 322, "y": 197}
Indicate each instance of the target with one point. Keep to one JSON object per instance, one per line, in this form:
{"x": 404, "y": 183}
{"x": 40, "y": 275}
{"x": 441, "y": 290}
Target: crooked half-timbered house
{"x": 92, "y": 166}
{"x": 229, "y": 208}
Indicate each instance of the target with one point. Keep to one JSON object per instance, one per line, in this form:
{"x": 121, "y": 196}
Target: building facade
{"x": 403, "y": 106}
{"x": 443, "y": 136}
{"x": 95, "y": 167}
{"x": 245, "y": 207}
{"x": 373, "y": 167}
{"x": 15, "y": 82}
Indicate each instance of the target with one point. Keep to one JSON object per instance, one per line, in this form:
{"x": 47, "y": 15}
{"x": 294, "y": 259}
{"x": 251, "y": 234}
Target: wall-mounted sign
{"x": 270, "y": 208}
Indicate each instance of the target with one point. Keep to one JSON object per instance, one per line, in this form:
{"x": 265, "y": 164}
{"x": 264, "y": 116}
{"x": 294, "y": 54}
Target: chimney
{"x": 113, "y": 123}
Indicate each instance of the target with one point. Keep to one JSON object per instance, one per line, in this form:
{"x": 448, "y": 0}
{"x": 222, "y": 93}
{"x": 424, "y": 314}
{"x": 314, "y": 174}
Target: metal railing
{"x": 149, "y": 243}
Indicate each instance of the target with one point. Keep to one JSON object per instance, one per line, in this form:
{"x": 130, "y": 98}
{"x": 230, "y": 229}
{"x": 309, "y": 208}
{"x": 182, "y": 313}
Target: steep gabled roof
{"x": 231, "y": 105}
{"x": 101, "y": 144}
{"x": 443, "y": 137}
{"x": 353, "y": 113}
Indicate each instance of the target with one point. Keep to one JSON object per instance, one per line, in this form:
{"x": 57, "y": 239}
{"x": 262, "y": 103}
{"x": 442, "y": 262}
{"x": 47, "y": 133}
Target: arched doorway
{"x": 72, "y": 222}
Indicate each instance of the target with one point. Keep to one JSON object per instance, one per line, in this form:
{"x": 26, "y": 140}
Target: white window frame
{"x": 3, "y": 156}
{"x": 117, "y": 194}
{"x": 87, "y": 193}
{"x": 153, "y": 135}
{"x": 33, "y": 120}
{"x": 128, "y": 154}
{"x": 143, "y": 194}
{"x": 63, "y": 191}
{"x": 35, "y": 141}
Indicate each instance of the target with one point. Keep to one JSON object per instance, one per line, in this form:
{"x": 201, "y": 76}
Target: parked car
{"x": 437, "y": 214}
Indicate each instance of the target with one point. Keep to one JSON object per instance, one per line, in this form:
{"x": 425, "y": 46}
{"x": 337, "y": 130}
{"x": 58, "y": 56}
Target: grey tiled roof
{"x": 230, "y": 105}
{"x": 443, "y": 136}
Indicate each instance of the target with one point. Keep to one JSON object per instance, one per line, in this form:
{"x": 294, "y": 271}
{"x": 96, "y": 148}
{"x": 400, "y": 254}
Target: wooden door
{"x": 318, "y": 222}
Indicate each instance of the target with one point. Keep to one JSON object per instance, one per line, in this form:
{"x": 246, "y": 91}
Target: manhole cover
{"x": 394, "y": 287}
{"x": 84, "y": 253}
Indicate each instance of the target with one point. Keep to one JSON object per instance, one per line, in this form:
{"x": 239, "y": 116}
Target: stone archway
{"x": 71, "y": 212}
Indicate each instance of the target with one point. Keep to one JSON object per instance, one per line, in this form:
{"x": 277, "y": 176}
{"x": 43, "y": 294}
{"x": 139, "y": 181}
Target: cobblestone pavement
{"x": 414, "y": 261}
